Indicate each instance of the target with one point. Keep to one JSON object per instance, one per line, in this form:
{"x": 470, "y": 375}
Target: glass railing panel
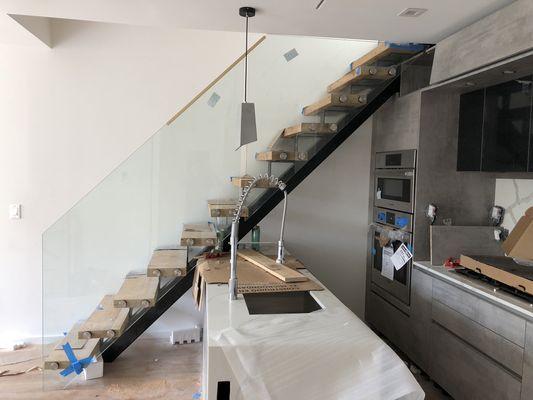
{"x": 142, "y": 205}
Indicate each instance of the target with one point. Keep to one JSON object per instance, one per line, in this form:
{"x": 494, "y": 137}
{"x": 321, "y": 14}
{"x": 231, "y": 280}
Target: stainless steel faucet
{"x": 234, "y": 238}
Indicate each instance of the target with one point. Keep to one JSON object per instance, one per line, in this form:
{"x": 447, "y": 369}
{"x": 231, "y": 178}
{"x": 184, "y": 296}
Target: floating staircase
{"x": 306, "y": 128}
{"x": 281, "y": 156}
{"x": 168, "y": 263}
{"x": 106, "y": 321}
{"x": 198, "y": 235}
{"x": 336, "y": 102}
{"x": 121, "y": 318}
{"x": 224, "y": 208}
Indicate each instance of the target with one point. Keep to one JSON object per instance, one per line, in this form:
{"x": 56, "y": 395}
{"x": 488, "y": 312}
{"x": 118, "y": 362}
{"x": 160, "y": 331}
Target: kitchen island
{"x": 324, "y": 354}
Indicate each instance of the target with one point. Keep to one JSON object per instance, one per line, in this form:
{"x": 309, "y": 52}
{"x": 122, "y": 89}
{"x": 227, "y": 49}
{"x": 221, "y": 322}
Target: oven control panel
{"x": 395, "y": 219}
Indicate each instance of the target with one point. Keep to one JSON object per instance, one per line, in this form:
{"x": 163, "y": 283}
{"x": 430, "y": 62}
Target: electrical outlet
{"x": 15, "y": 211}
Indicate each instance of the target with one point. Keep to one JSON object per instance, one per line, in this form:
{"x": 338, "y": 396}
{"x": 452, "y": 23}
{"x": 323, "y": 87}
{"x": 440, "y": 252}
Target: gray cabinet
{"x": 527, "y": 374}
{"x": 473, "y": 347}
{"x": 466, "y": 373}
{"x": 397, "y": 123}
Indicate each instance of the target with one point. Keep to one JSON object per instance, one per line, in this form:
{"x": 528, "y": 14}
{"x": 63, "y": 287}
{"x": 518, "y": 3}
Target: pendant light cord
{"x": 246, "y": 63}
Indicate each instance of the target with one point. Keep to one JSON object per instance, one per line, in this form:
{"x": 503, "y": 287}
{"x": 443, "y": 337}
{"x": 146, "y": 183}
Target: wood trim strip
{"x": 214, "y": 82}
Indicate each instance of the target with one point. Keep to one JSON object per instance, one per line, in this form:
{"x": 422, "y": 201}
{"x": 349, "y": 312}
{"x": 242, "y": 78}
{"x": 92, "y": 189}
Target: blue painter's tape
{"x": 75, "y": 364}
{"x": 402, "y": 222}
{"x": 406, "y": 46}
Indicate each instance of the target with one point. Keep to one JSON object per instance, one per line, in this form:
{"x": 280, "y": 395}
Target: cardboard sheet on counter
{"x": 251, "y": 279}
{"x": 502, "y": 269}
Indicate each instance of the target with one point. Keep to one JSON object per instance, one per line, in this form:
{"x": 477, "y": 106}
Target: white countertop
{"x": 326, "y": 354}
{"x": 482, "y": 289}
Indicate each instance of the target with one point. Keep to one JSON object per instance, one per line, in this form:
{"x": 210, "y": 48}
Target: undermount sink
{"x": 281, "y": 303}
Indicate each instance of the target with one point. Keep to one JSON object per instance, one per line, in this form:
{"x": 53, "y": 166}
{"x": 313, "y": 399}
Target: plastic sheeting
{"x": 327, "y": 354}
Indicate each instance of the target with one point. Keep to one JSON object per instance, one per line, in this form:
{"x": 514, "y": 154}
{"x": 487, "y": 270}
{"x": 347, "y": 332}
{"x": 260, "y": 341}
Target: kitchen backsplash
{"x": 516, "y": 196}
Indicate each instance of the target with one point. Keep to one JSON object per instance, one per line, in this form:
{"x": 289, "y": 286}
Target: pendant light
{"x": 248, "y": 126}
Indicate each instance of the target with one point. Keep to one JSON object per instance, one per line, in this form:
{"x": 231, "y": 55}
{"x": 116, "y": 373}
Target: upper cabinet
{"x": 495, "y": 128}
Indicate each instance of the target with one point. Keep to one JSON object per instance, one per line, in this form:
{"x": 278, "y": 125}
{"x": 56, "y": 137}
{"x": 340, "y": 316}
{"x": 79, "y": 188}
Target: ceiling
{"x": 357, "y": 19}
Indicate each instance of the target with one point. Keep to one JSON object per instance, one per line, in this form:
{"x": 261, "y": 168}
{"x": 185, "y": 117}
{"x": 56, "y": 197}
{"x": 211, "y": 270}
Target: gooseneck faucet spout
{"x": 281, "y": 246}
{"x": 234, "y": 236}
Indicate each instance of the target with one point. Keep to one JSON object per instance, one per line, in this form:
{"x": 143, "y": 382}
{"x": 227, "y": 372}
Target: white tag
{"x": 387, "y": 267}
{"x": 401, "y": 257}
{"x": 378, "y": 194}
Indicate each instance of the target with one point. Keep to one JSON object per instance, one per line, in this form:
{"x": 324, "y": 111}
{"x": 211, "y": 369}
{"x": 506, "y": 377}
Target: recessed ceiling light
{"x": 412, "y": 12}
{"x": 508, "y": 72}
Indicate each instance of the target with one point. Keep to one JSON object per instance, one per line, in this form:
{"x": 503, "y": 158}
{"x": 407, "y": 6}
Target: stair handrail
{"x": 214, "y": 81}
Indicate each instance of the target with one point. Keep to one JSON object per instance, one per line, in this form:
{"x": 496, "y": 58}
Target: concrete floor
{"x": 150, "y": 369}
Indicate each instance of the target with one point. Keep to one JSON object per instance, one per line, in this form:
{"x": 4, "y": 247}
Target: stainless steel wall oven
{"x": 393, "y": 223}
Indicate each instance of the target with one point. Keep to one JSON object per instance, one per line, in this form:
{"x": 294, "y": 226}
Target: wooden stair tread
{"x": 335, "y": 101}
{"x": 138, "y": 291}
{"x": 280, "y": 156}
{"x": 168, "y": 263}
{"x": 225, "y": 208}
{"x": 243, "y": 181}
{"x": 362, "y": 74}
{"x": 309, "y": 128}
{"x": 57, "y": 359}
{"x": 198, "y": 235}
{"x": 106, "y": 321}
{"x": 280, "y": 271}
{"x": 395, "y": 52}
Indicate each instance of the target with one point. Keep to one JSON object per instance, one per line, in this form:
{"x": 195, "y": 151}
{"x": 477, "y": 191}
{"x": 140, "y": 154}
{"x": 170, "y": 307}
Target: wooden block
{"x": 361, "y": 74}
{"x": 105, "y": 322}
{"x": 140, "y": 291}
{"x": 277, "y": 155}
{"x": 198, "y": 235}
{"x": 502, "y": 269}
{"x": 386, "y": 50}
{"x": 168, "y": 263}
{"x": 309, "y": 128}
{"x": 244, "y": 181}
{"x": 452, "y": 241}
{"x": 225, "y": 208}
{"x": 280, "y": 271}
{"x": 57, "y": 359}
{"x": 336, "y": 101}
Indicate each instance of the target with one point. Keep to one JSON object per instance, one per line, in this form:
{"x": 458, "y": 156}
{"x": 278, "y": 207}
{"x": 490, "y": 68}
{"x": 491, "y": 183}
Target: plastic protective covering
{"x": 326, "y": 354}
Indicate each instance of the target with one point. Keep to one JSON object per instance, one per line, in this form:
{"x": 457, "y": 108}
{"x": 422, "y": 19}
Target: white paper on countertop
{"x": 327, "y": 354}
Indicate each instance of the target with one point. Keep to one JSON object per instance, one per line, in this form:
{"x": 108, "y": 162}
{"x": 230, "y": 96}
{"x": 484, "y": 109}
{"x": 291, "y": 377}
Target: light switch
{"x": 15, "y": 211}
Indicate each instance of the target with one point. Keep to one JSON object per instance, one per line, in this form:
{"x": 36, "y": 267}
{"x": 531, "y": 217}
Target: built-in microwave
{"x": 395, "y": 180}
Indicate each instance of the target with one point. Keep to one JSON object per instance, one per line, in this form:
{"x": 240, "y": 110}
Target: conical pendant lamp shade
{"x": 248, "y": 125}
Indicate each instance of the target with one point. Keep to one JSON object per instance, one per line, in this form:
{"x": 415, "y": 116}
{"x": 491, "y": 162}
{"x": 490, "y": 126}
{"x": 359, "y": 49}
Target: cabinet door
{"x": 470, "y": 131}
{"x": 506, "y": 126}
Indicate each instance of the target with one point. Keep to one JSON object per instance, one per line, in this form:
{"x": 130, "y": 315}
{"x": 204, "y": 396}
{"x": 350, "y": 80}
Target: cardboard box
{"x": 519, "y": 244}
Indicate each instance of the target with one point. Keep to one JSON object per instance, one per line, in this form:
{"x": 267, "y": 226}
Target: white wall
{"x": 70, "y": 115}
{"x": 327, "y": 220}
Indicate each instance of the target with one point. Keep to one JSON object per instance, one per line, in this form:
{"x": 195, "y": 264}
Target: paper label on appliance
{"x": 378, "y": 194}
{"x": 401, "y": 257}
{"x": 387, "y": 267}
